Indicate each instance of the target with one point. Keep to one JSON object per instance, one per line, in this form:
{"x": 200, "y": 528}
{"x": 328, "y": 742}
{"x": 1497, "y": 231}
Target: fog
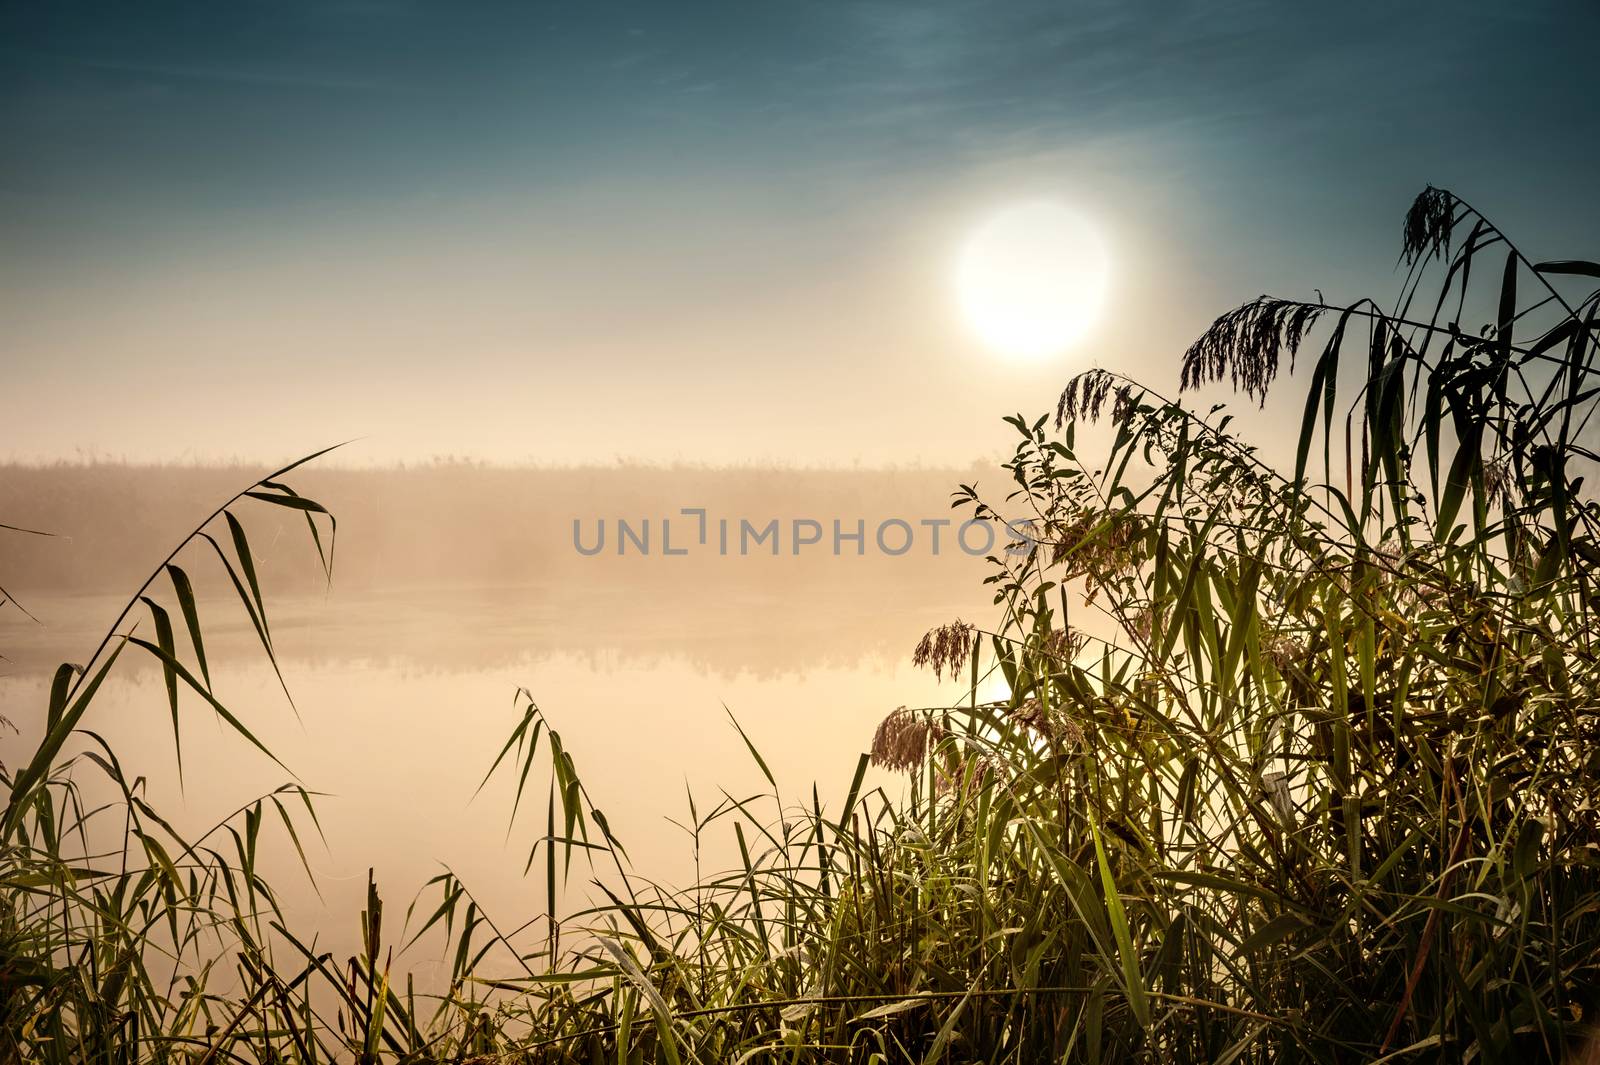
{"x": 454, "y": 586}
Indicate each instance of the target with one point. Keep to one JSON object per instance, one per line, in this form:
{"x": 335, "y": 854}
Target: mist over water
{"x": 453, "y": 587}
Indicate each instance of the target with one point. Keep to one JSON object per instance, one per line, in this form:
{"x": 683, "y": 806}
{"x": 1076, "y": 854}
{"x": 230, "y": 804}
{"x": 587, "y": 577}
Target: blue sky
{"x": 704, "y": 231}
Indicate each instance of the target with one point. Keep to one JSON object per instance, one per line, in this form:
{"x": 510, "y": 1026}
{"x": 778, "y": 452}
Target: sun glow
{"x": 1031, "y": 279}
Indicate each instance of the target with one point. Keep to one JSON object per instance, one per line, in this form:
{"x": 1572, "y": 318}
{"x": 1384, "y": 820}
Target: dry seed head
{"x": 1429, "y": 225}
{"x": 1497, "y": 481}
{"x": 947, "y": 647}
{"x": 1246, "y": 344}
{"x": 1085, "y": 397}
{"x": 1053, "y": 725}
{"x": 1143, "y": 623}
{"x": 984, "y": 768}
{"x": 903, "y": 739}
{"x": 1097, "y": 545}
{"x": 1063, "y": 645}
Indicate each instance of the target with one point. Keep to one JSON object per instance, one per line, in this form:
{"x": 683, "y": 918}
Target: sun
{"x": 1031, "y": 279}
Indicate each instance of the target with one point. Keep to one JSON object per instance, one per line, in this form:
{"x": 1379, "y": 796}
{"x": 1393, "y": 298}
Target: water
{"x": 404, "y": 697}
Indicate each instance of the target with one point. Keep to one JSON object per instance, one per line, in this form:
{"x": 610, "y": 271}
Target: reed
{"x": 1293, "y": 764}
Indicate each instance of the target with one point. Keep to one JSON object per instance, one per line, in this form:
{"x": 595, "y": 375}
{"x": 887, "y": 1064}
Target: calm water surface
{"x": 404, "y": 697}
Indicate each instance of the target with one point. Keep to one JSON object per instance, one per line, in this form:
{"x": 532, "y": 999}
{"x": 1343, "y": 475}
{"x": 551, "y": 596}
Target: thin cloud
{"x": 280, "y": 79}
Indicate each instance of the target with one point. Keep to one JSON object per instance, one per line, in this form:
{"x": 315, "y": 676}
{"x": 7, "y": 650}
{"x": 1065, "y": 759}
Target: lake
{"x": 404, "y": 671}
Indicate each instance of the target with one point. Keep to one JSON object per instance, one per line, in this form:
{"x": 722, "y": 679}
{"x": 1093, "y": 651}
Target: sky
{"x": 704, "y": 232}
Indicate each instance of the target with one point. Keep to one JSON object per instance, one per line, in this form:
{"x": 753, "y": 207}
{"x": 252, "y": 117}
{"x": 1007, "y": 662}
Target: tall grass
{"x": 1295, "y": 763}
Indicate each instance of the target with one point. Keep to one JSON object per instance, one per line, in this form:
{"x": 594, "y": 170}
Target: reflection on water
{"x": 759, "y": 631}
{"x": 404, "y": 685}
{"x": 399, "y": 751}
{"x": 461, "y": 567}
